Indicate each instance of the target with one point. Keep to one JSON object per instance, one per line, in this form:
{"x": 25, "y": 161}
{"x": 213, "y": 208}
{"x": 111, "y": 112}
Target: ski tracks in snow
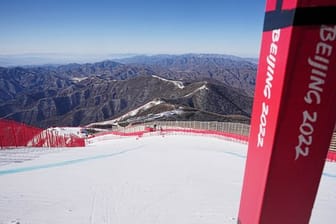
{"x": 125, "y": 202}
{"x": 103, "y": 210}
{"x": 19, "y": 155}
{"x": 93, "y": 206}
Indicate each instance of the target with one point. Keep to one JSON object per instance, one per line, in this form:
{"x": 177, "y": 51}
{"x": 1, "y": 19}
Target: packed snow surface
{"x": 155, "y": 179}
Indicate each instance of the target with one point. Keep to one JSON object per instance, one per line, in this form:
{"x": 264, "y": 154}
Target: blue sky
{"x": 131, "y": 26}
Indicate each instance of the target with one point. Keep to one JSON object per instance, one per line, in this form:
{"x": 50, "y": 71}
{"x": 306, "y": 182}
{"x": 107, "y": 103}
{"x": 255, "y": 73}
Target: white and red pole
{"x": 294, "y": 112}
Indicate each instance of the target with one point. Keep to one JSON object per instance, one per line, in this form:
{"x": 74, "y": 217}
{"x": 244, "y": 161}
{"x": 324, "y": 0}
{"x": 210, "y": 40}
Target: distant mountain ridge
{"x": 230, "y": 70}
{"x": 54, "y": 59}
{"x": 79, "y": 94}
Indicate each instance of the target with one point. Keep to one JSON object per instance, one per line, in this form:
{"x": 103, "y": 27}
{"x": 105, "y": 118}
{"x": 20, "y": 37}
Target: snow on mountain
{"x": 204, "y": 87}
{"x": 78, "y": 79}
{"x": 176, "y": 83}
{"x": 132, "y": 113}
{"x": 144, "y": 107}
{"x": 153, "y": 117}
{"x": 156, "y": 179}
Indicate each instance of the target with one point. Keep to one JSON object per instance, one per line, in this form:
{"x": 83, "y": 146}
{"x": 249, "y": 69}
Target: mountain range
{"x": 188, "y": 87}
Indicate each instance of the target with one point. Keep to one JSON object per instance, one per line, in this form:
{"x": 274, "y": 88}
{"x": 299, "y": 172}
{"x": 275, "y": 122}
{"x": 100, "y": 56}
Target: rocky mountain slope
{"x": 71, "y": 95}
{"x": 230, "y": 70}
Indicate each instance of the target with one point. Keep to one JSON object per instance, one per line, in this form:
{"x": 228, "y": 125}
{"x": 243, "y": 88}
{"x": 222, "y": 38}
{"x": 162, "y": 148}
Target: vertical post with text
{"x": 294, "y": 112}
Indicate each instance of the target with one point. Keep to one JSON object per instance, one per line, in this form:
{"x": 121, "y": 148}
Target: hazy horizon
{"x": 60, "y": 59}
{"x": 101, "y": 27}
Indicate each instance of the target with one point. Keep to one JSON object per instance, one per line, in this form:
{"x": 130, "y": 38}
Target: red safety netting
{"x": 52, "y": 138}
{"x": 14, "y": 134}
{"x": 236, "y": 137}
{"x": 331, "y": 156}
{"x": 233, "y": 136}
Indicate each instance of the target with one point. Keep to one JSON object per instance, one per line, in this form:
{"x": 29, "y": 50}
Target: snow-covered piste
{"x": 154, "y": 179}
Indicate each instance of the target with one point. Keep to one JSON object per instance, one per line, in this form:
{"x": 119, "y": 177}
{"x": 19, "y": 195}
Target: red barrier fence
{"x": 236, "y": 137}
{"x": 331, "y": 156}
{"x": 14, "y": 134}
{"x": 231, "y": 136}
{"x": 54, "y": 138}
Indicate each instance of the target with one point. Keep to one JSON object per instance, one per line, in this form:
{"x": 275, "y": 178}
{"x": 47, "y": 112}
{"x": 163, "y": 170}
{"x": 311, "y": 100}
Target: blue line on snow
{"x": 235, "y": 154}
{"x": 63, "y": 163}
{"x": 329, "y": 175}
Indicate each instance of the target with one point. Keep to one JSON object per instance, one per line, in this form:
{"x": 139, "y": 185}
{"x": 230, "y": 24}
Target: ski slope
{"x": 162, "y": 180}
